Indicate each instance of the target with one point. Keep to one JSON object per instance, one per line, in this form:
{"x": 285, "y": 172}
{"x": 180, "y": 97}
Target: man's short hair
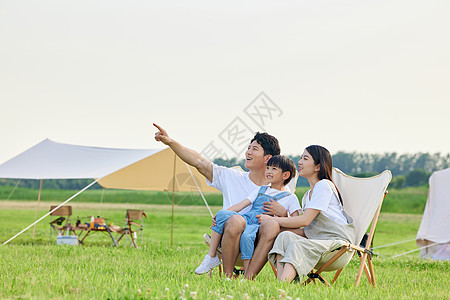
{"x": 268, "y": 142}
{"x": 285, "y": 164}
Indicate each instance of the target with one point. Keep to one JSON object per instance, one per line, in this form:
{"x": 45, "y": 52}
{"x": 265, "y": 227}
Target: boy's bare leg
{"x": 232, "y": 231}
{"x": 267, "y": 233}
{"x": 215, "y": 240}
{"x": 289, "y": 273}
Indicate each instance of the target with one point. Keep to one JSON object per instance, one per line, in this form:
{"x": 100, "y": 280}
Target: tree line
{"x": 407, "y": 169}
{"x": 54, "y": 184}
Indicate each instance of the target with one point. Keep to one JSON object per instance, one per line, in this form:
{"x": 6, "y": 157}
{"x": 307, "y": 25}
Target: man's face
{"x": 254, "y": 156}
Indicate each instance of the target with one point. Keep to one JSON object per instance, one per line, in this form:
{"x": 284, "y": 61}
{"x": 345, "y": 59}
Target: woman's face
{"x": 306, "y": 166}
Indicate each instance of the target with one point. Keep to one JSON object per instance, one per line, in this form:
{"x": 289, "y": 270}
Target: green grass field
{"x": 39, "y": 269}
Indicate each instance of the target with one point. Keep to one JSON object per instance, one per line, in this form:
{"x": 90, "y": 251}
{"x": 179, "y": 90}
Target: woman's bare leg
{"x": 289, "y": 273}
{"x": 280, "y": 266}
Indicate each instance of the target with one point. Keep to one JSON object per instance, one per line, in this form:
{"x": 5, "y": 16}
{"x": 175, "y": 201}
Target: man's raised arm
{"x": 191, "y": 157}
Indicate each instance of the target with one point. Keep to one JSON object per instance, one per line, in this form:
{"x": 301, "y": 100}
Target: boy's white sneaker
{"x": 207, "y": 264}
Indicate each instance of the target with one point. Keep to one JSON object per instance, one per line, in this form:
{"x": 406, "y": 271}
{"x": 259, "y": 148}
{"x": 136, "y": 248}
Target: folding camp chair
{"x": 60, "y": 225}
{"x": 362, "y": 198}
{"x": 133, "y": 218}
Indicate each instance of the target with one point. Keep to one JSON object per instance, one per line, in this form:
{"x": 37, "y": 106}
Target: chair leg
{"x": 372, "y": 272}
{"x": 121, "y": 236}
{"x": 338, "y": 272}
{"x": 361, "y": 268}
{"x": 87, "y": 233}
{"x": 329, "y": 262}
{"x": 130, "y": 234}
{"x": 132, "y": 239}
{"x": 367, "y": 272}
{"x": 220, "y": 271}
{"x": 310, "y": 279}
{"x": 274, "y": 269}
{"x": 324, "y": 281}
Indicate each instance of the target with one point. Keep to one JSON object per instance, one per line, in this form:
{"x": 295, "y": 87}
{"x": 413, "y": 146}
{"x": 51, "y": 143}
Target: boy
{"x": 279, "y": 171}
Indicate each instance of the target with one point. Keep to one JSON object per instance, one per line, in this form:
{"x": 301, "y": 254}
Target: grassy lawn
{"x": 37, "y": 268}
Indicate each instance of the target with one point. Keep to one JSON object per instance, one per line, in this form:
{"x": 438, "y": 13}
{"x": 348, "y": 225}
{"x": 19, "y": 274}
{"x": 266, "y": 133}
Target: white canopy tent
{"x": 145, "y": 169}
{"x": 433, "y": 236}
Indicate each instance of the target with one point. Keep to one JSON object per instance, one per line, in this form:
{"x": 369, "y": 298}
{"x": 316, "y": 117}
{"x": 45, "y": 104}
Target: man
{"x": 236, "y": 186}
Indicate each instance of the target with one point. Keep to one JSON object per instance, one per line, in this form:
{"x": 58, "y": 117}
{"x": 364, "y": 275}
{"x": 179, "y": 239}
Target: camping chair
{"x": 363, "y": 198}
{"x": 131, "y": 219}
{"x": 58, "y": 224}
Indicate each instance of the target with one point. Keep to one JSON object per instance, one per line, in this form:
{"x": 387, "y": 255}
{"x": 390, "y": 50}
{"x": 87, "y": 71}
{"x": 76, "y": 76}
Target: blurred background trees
{"x": 407, "y": 169}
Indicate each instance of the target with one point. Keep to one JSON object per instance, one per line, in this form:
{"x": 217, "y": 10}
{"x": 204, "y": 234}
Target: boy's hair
{"x": 285, "y": 164}
{"x": 268, "y": 142}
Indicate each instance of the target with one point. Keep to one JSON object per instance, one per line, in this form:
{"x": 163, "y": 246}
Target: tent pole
{"x": 10, "y": 194}
{"x": 200, "y": 190}
{"x": 173, "y": 196}
{"x": 88, "y": 186}
{"x": 37, "y": 208}
{"x": 101, "y": 203}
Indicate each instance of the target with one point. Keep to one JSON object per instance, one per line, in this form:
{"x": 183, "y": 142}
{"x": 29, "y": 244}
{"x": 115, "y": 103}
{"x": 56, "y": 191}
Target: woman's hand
{"x": 262, "y": 218}
{"x": 274, "y": 208}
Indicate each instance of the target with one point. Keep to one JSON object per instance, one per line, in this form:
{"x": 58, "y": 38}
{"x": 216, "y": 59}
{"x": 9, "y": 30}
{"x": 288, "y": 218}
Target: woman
{"x": 323, "y": 220}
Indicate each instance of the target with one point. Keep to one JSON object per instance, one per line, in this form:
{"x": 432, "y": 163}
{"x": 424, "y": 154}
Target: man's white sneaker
{"x": 207, "y": 264}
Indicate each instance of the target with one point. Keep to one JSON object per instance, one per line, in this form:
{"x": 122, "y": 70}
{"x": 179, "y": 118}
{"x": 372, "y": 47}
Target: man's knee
{"x": 234, "y": 225}
{"x": 269, "y": 230}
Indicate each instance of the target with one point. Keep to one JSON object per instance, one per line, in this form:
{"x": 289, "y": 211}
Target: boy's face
{"x": 275, "y": 175}
{"x": 254, "y": 156}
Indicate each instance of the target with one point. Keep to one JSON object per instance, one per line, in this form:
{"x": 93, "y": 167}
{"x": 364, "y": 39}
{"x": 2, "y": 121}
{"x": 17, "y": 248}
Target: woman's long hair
{"x": 322, "y": 156}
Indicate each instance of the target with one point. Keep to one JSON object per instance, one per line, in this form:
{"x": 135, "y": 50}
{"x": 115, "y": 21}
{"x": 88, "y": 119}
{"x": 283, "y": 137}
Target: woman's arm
{"x": 240, "y": 206}
{"x": 294, "y": 221}
{"x": 295, "y": 213}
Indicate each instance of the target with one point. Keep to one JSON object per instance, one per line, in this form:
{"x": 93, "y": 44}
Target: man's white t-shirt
{"x": 289, "y": 202}
{"x": 234, "y": 184}
{"x": 323, "y": 198}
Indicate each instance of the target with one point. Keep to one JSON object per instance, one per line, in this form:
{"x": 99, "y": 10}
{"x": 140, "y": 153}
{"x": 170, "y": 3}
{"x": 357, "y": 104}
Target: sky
{"x": 358, "y": 75}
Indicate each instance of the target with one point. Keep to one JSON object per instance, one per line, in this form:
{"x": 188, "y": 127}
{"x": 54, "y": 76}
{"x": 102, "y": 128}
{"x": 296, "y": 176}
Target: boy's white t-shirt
{"x": 234, "y": 184}
{"x": 324, "y": 199}
{"x": 289, "y": 202}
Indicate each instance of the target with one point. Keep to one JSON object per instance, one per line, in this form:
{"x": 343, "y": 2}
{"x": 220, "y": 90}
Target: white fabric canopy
{"x": 434, "y": 230}
{"x": 51, "y": 160}
{"x": 145, "y": 169}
